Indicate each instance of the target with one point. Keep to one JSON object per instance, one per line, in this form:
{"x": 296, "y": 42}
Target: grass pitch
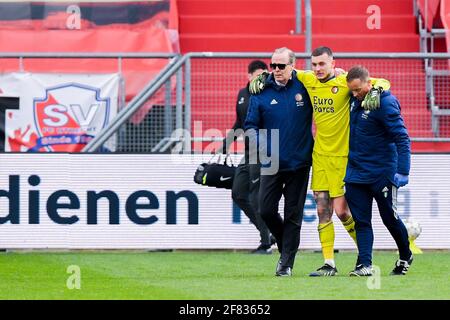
{"x": 194, "y": 275}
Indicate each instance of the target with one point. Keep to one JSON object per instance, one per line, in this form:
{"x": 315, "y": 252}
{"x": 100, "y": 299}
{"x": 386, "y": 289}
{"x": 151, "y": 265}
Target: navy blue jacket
{"x": 287, "y": 108}
{"x": 379, "y": 142}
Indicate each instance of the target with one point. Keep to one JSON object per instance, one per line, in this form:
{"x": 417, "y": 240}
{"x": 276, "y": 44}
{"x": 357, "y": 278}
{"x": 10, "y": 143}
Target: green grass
{"x": 212, "y": 275}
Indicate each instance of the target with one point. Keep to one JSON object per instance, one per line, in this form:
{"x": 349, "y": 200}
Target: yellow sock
{"x": 349, "y": 225}
{"x": 326, "y": 235}
{"x": 414, "y": 248}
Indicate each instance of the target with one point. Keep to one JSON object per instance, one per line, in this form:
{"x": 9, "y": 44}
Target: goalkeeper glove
{"x": 401, "y": 180}
{"x": 257, "y": 85}
{"x": 372, "y": 99}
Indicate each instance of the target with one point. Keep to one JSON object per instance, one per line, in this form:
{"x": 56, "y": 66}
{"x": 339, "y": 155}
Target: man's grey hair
{"x": 291, "y": 54}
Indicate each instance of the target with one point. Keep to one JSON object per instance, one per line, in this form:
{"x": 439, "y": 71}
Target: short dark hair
{"x": 255, "y": 65}
{"x": 357, "y": 72}
{"x": 321, "y": 50}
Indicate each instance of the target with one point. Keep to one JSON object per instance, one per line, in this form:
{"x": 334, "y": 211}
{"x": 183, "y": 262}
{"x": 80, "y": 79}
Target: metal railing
{"x": 122, "y": 66}
{"x": 68, "y": 55}
{"x": 212, "y": 80}
{"x": 134, "y": 105}
{"x": 199, "y": 89}
{"x": 434, "y": 74}
{"x": 308, "y": 23}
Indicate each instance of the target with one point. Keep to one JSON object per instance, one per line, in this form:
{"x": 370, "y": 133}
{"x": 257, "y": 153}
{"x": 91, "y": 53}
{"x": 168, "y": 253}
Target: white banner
{"x": 117, "y": 201}
{"x": 57, "y": 112}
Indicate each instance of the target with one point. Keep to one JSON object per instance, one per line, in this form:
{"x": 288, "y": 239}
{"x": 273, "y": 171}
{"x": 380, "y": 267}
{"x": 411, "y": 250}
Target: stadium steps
{"x": 322, "y": 24}
{"x": 284, "y": 7}
{"x": 442, "y": 83}
{"x": 262, "y": 25}
{"x": 245, "y": 42}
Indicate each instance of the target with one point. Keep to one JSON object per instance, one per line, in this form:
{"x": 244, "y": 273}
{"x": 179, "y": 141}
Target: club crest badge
{"x": 299, "y": 100}
{"x": 69, "y": 116}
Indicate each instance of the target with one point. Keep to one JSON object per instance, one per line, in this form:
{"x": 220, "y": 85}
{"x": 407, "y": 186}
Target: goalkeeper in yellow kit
{"x": 330, "y": 98}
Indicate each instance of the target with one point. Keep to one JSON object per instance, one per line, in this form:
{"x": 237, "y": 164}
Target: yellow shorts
{"x": 328, "y": 173}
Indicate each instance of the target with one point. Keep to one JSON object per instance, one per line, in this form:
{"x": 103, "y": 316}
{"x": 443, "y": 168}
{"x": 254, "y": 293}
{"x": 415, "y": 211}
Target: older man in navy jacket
{"x": 378, "y": 164}
{"x": 284, "y": 108}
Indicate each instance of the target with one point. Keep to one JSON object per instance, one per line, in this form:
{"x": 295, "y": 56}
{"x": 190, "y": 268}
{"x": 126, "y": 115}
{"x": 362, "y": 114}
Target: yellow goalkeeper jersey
{"x": 331, "y": 111}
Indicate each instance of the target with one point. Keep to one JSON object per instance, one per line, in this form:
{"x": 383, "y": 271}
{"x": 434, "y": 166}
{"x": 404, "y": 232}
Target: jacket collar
{"x": 270, "y": 81}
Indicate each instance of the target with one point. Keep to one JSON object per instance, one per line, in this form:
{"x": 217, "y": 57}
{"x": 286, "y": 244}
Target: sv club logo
{"x": 68, "y": 117}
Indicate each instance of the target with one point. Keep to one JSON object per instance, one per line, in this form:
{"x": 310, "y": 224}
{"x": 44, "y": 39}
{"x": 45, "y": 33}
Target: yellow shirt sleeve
{"x": 376, "y": 82}
{"x": 342, "y": 79}
{"x": 307, "y": 77}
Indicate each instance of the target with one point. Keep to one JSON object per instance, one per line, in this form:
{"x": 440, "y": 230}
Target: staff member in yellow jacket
{"x": 330, "y": 98}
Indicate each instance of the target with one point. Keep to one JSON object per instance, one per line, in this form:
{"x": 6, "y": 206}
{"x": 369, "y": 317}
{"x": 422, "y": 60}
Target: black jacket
{"x": 241, "y": 114}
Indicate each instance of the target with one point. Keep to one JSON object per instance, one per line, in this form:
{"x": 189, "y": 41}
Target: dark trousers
{"x": 245, "y": 194}
{"x": 293, "y": 186}
{"x": 359, "y": 198}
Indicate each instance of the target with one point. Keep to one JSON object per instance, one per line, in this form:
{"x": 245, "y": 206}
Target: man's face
{"x": 359, "y": 88}
{"x": 255, "y": 73}
{"x": 323, "y": 66}
{"x": 281, "y": 68}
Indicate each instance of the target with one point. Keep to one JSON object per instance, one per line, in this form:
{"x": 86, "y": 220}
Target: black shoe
{"x": 272, "y": 240}
{"x": 401, "y": 267}
{"x": 278, "y": 268}
{"x": 361, "y": 271}
{"x": 324, "y": 271}
{"x": 284, "y": 272}
{"x": 262, "y": 249}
